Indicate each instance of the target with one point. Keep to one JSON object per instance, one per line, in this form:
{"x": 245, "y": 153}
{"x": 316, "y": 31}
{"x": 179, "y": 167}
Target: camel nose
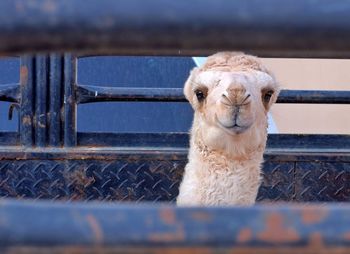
{"x": 236, "y": 94}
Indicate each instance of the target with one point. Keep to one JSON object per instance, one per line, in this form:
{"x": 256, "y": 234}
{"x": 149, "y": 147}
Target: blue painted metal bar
{"x": 10, "y": 93}
{"x": 9, "y": 138}
{"x": 69, "y": 101}
{"x": 132, "y": 154}
{"x": 41, "y": 97}
{"x": 27, "y": 100}
{"x": 306, "y": 142}
{"x": 88, "y": 94}
{"x": 99, "y": 225}
{"x": 314, "y": 97}
{"x": 55, "y": 99}
{"x": 309, "y": 28}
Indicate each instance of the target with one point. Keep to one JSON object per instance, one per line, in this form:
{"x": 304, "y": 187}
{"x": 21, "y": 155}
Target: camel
{"x": 231, "y": 95}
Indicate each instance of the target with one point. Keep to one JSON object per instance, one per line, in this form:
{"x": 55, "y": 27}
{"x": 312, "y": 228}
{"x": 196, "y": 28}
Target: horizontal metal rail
{"x": 97, "y": 227}
{"x": 309, "y": 28}
{"x": 288, "y": 143}
{"x": 9, "y": 93}
{"x": 181, "y": 140}
{"x": 88, "y": 94}
{"x": 159, "y": 151}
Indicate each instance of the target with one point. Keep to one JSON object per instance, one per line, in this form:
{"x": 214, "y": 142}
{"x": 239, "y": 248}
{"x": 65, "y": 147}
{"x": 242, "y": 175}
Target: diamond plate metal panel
{"x": 158, "y": 180}
{"x": 91, "y": 180}
{"x": 322, "y": 181}
{"x": 277, "y": 182}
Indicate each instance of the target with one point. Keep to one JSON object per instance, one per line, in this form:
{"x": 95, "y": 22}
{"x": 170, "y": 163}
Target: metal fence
{"x": 48, "y": 159}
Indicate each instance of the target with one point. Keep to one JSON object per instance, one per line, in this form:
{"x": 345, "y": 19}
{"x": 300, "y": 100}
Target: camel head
{"x": 231, "y": 95}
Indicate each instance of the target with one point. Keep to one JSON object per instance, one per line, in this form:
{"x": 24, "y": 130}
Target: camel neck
{"x": 205, "y": 151}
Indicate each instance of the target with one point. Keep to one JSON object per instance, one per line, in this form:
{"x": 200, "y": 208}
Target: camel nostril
{"x": 246, "y": 100}
{"x": 226, "y": 99}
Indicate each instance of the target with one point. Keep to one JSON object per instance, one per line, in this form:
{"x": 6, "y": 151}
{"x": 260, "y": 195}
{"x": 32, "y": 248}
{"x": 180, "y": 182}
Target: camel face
{"x": 232, "y": 101}
{"x": 231, "y": 95}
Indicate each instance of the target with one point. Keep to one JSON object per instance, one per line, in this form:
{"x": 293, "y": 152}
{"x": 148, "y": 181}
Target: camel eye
{"x": 267, "y": 96}
{"x": 200, "y": 95}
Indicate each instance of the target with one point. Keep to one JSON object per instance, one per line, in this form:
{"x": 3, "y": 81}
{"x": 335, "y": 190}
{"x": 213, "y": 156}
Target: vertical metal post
{"x": 41, "y": 88}
{"x": 48, "y": 105}
{"x": 55, "y": 100}
{"x": 69, "y": 102}
{"x": 27, "y": 81}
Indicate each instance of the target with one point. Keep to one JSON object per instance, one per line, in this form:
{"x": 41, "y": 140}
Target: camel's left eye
{"x": 267, "y": 96}
{"x": 200, "y": 95}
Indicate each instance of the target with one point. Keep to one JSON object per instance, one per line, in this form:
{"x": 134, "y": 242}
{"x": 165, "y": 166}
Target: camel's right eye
{"x": 200, "y": 95}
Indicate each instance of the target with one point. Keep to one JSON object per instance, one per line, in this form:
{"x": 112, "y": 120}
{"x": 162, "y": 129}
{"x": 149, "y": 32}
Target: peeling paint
{"x": 313, "y": 215}
{"x": 201, "y": 216}
{"x": 96, "y": 229}
{"x": 23, "y": 75}
{"x": 346, "y": 236}
{"x": 276, "y": 232}
{"x": 316, "y": 240}
{"x": 167, "y": 215}
{"x": 245, "y": 235}
{"x": 49, "y": 6}
{"x": 163, "y": 237}
{"x": 26, "y": 120}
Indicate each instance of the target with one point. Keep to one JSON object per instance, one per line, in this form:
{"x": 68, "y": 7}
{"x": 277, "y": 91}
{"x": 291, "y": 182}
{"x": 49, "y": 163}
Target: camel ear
{"x": 188, "y": 88}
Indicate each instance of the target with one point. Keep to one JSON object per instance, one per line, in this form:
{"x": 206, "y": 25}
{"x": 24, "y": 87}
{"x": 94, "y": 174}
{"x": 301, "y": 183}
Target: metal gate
{"x": 48, "y": 159}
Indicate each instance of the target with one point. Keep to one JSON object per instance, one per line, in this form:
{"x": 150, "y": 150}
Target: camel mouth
{"x": 235, "y": 128}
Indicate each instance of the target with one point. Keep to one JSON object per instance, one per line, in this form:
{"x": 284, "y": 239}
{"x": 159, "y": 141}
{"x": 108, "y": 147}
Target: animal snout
{"x": 235, "y": 95}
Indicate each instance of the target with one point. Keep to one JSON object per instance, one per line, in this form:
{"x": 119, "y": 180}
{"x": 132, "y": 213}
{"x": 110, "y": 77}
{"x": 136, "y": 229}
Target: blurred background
{"x": 311, "y": 74}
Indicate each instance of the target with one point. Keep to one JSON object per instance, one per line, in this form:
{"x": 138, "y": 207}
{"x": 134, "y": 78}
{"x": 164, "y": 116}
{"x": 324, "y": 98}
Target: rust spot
{"x": 245, "y": 235}
{"x": 149, "y": 222}
{"x": 347, "y": 236}
{"x": 49, "y": 6}
{"x": 177, "y": 236}
{"x": 96, "y": 229}
{"x": 78, "y": 180}
{"x": 23, "y": 74}
{"x": 167, "y": 215}
{"x": 316, "y": 240}
{"x": 41, "y": 125}
{"x": 19, "y": 6}
{"x": 27, "y": 120}
{"x": 201, "y": 216}
{"x": 313, "y": 215}
{"x": 276, "y": 232}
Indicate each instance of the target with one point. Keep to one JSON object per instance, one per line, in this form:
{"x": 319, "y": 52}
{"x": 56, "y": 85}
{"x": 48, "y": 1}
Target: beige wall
{"x": 311, "y": 74}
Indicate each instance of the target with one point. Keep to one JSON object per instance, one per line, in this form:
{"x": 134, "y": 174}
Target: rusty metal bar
{"x": 159, "y": 153}
{"x": 100, "y": 226}
{"x": 27, "y": 81}
{"x": 88, "y": 94}
{"x": 309, "y": 28}
{"x": 55, "y": 99}
{"x": 69, "y": 101}
{"x": 41, "y": 98}
{"x": 181, "y": 140}
{"x": 314, "y": 97}
{"x": 10, "y": 93}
